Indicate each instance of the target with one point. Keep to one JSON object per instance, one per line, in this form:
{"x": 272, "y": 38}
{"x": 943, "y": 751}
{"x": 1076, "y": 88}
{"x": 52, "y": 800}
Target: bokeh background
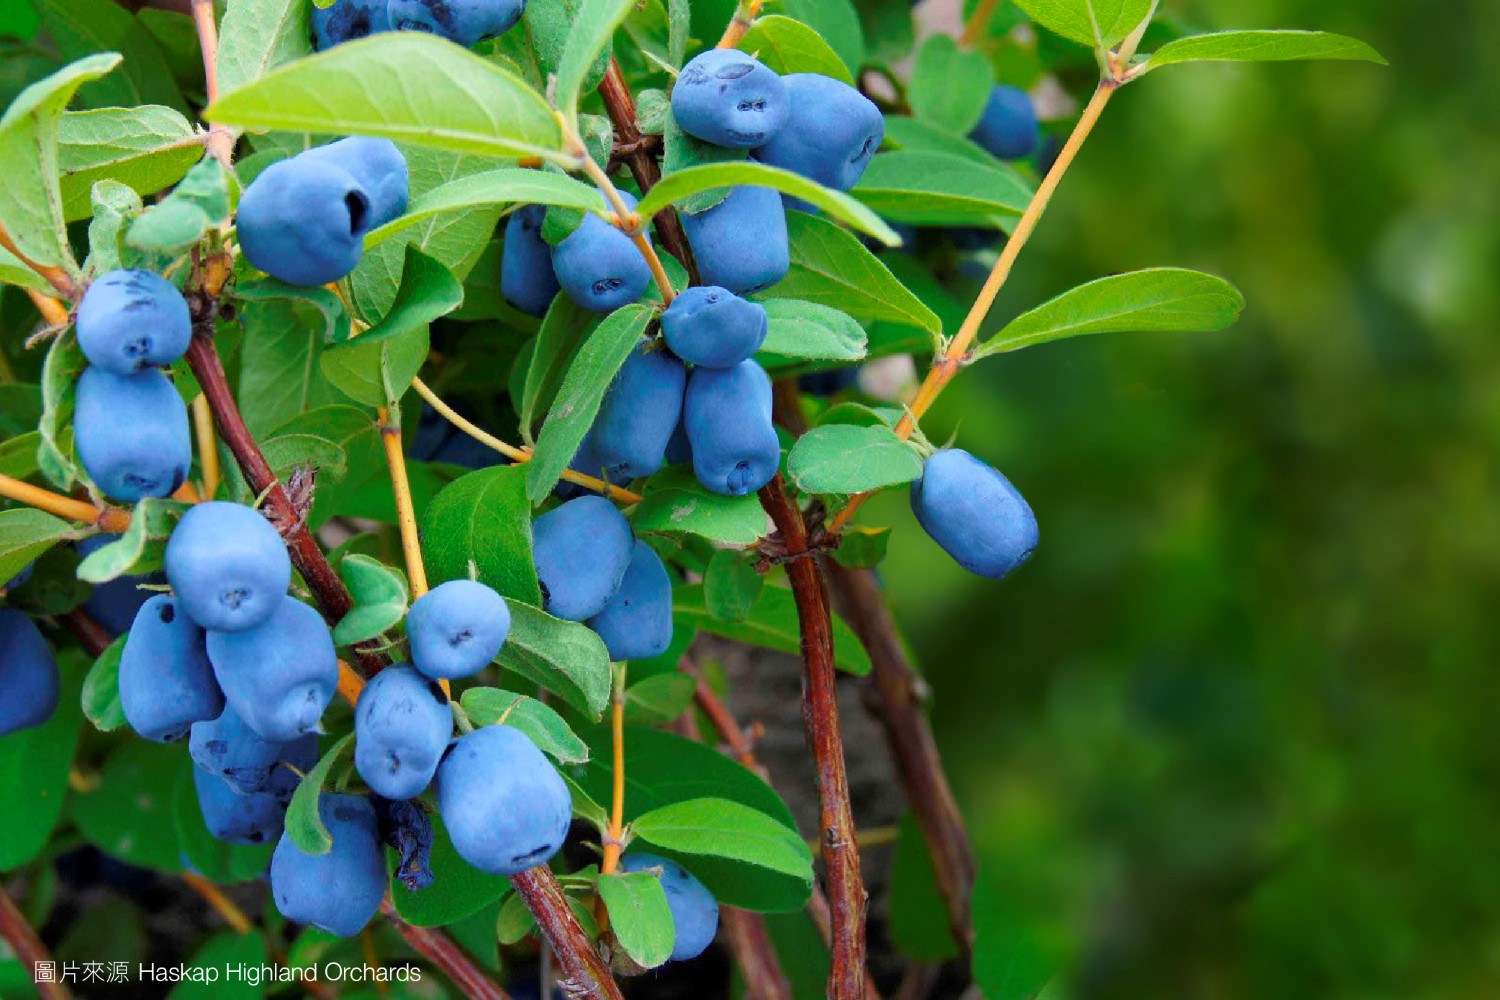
{"x": 1232, "y": 732}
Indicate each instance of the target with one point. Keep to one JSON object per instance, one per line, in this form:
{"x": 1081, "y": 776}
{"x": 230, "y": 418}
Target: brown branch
{"x": 28, "y": 948}
{"x": 587, "y": 974}
{"x": 755, "y": 953}
{"x": 89, "y": 633}
{"x": 620, "y": 105}
{"x": 846, "y": 892}
{"x": 443, "y": 952}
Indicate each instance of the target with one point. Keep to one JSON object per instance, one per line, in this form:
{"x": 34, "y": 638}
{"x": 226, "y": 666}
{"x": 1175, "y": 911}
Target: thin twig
{"x": 587, "y": 975}
{"x": 110, "y": 519}
{"x": 28, "y": 947}
{"x": 745, "y": 14}
{"x": 614, "y": 840}
{"x": 220, "y": 138}
{"x": 208, "y": 445}
{"x": 755, "y": 953}
{"x": 441, "y": 950}
{"x": 978, "y": 23}
{"x": 222, "y": 904}
{"x": 54, "y": 276}
{"x": 406, "y": 515}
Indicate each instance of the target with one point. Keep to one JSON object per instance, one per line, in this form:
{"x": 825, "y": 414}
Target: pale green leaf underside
{"x": 147, "y": 148}
{"x": 493, "y": 187}
{"x": 849, "y": 458}
{"x": 789, "y": 46}
{"x": 592, "y": 27}
{"x": 927, "y": 188}
{"x": 1077, "y": 19}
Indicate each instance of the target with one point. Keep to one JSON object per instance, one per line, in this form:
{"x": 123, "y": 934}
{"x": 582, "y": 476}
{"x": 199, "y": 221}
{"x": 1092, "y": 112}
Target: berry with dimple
{"x": 226, "y": 746}
{"x": 379, "y": 168}
{"x": 340, "y": 891}
{"x": 304, "y": 221}
{"x": 236, "y": 817}
{"x": 1008, "y": 128}
{"x": 741, "y": 243}
{"x": 637, "y": 621}
{"x": 228, "y": 566}
{"x": 166, "y": 681}
{"x": 729, "y": 98}
{"x": 131, "y": 433}
{"x": 505, "y": 806}
{"x": 280, "y": 675}
{"x": 974, "y": 513}
{"x": 29, "y": 681}
{"x": 462, "y": 21}
{"x": 695, "y": 912}
{"x": 402, "y": 723}
{"x": 527, "y": 280}
{"x": 346, "y": 21}
{"x": 598, "y": 266}
{"x": 581, "y": 550}
{"x": 831, "y": 133}
{"x": 131, "y": 320}
{"x": 639, "y": 413}
{"x": 456, "y": 629}
{"x": 713, "y": 327}
{"x": 727, "y": 414}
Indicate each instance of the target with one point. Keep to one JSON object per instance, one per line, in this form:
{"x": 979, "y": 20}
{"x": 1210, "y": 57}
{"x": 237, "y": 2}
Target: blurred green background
{"x": 1232, "y": 732}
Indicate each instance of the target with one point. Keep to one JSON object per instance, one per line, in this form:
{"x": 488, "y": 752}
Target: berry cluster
{"x": 461, "y": 21}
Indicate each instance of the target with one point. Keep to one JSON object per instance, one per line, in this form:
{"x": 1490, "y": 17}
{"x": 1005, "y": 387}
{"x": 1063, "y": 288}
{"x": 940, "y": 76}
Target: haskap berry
{"x": 695, "y": 912}
{"x": 598, "y": 266}
{"x": 131, "y": 320}
{"x": 402, "y": 723}
{"x": 378, "y": 166}
{"x": 714, "y": 328}
{"x": 456, "y": 629}
{"x": 228, "y": 566}
{"x": 304, "y": 221}
{"x": 166, "y": 681}
{"x": 346, "y": 21}
{"x": 639, "y": 413}
{"x": 637, "y": 621}
{"x": 114, "y": 603}
{"x": 527, "y": 280}
{"x": 727, "y": 413}
{"x": 340, "y": 891}
{"x": 131, "y": 434}
{"x": 974, "y": 513}
{"x": 1008, "y": 128}
{"x": 29, "y": 681}
{"x": 581, "y": 550}
{"x": 831, "y": 133}
{"x": 236, "y": 817}
{"x": 729, "y": 98}
{"x": 461, "y": 21}
{"x": 280, "y": 675}
{"x": 741, "y": 243}
{"x": 506, "y": 808}
{"x": 225, "y": 746}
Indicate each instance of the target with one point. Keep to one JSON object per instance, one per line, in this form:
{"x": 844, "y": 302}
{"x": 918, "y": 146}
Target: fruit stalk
{"x": 220, "y": 143}
{"x": 55, "y": 276}
{"x": 406, "y": 515}
{"x": 581, "y": 964}
{"x": 612, "y": 845}
{"x": 846, "y": 891}
{"x": 745, "y": 14}
{"x": 27, "y": 947}
{"x": 107, "y": 518}
{"x": 443, "y": 952}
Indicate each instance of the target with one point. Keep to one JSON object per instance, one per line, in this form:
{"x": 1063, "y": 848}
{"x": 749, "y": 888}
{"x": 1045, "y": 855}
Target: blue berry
{"x": 599, "y": 267}
{"x": 131, "y": 320}
{"x": 346, "y": 21}
{"x": 402, "y": 723}
{"x": 728, "y": 418}
{"x": 338, "y": 892}
{"x": 1008, "y": 128}
{"x": 280, "y": 675}
{"x": 377, "y": 166}
{"x": 714, "y": 328}
{"x": 527, "y": 280}
{"x": 727, "y": 97}
{"x": 114, "y": 603}
{"x": 235, "y": 817}
{"x": 506, "y": 808}
{"x": 695, "y": 912}
{"x": 461, "y": 21}
{"x": 581, "y": 549}
{"x": 29, "y": 682}
{"x": 639, "y": 413}
{"x": 166, "y": 681}
{"x": 831, "y": 133}
{"x": 131, "y": 434}
{"x": 456, "y": 629}
{"x": 304, "y": 221}
{"x": 974, "y": 513}
{"x": 637, "y": 621}
{"x": 741, "y": 243}
{"x": 228, "y": 566}
{"x": 230, "y": 749}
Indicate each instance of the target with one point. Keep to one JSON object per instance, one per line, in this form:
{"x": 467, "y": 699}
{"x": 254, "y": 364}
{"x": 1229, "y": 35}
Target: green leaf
{"x": 60, "y": 371}
{"x": 113, "y": 206}
{"x": 1077, "y": 19}
{"x": 831, "y": 267}
{"x": 789, "y": 46}
{"x": 199, "y": 202}
{"x": 731, "y": 585}
{"x": 681, "y": 151}
{"x": 457, "y": 890}
{"x": 515, "y": 920}
{"x": 281, "y": 374}
{"x": 582, "y": 390}
{"x": 658, "y": 700}
{"x": 139, "y": 549}
{"x": 811, "y": 330}
{"x": 939, "y": 189}
{"x": 862, "y": 548}
{"x": 1010, "y": 961}
{"x": 147, "y": 149}
{"x": 639, "y": 916}
{"x": 564, "y": 657}
{"x": 129, "y": 814}
{"x": 483, "y": 519}
{"x": 550, "y": 25}
{"x": 845, "y": 458}
{"x": 427, "y": 91}
{"x": 303, "y": 824}
{"x": 925, "y": 137}
{"x": 836, "y": 21}
{"x": 367, "y": 373}
{"x": 285, "y": 452}
{"x": 225, "y": 950}
{"x": 101, "y": 689}
{"x": 562, "y": 331}
{"x": 949, "y": 86}
{"x": 257, "y": 36}
{"x": 675, "y": 503}
{"x": 1263, "y": 46}
{"x": 722, "y": 828}
{"x": 1161, "y": 299}
{"x": 83, "y": 27}
{"x": 772, "y": 623}
{"x": 428, "y": 291}
{"x": 34, "y": 765}
{"x": 336, "y": 323}
{"x": 492, "y": 187}
{"x": 679, "y": 24}
{"x": 31, "y": 207}
{"x": 379, "y": 594}
{"x": 593, "y": 26}
{"x": 552, "y": 735}
{"x": 918, "y": 916}
{"x": 26, "y": 533}
{"x": 215, "y": 860}
{"x": 13, "y": 272}
{"x": 681, "y": 184}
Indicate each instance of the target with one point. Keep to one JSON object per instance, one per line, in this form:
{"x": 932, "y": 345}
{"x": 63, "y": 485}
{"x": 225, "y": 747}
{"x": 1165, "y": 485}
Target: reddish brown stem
{"x": 755, "y": 953}
{"x": 89, "y": 633}
{"x": 846, "y": 891}
{"x": 441, "y": 951}
{"x": 620, "y": 105}
{"x": 588, "y": 978}
{"x": 28, "y": 947}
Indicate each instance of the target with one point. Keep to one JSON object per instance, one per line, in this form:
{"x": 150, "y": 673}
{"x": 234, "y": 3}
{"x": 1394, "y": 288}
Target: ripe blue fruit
{"x": 114, "y": 603}
{"x": 347, "y": 20}
{"x": 581, "y": 551}
{"x": 974, "y": 513}
{"x": 461, "y": 21}
{"x": 339, "y": 891}
{"x": 727, "y": 413}
{"x": 304, "y": 221}
{"x": 29, "y": 681}
{"x": 456, "y": 629}
{"x": 378, "y": 167}
{"x": 506, "y": 808}
{"x": 727, "y": 97}
{"x": 527, "y": 280}
{"x": 230, "y": 749}
{"x": 131, "y": 434}
{"x": 280, "y": 675}
{"x": 228, "y": 566}
{"x": 599, "y": 267}
{"x": 713, "y": 327}
{"x": 166, "y": 681}
{"x": 1008, "y": 128}
{"x": 831, "y": 132}
{"x": 402, "y": 723}
{"x": 695, "y": 912}
{"x": 680, "y": 449}
{"x": 637, "y": 621}
{"x": 639, "y": 413}
{"x": 741, "y": 244}
{"x": 235, "y": 817}
{"x": 829, "y": 383}
{"x": 131, "y": 320}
